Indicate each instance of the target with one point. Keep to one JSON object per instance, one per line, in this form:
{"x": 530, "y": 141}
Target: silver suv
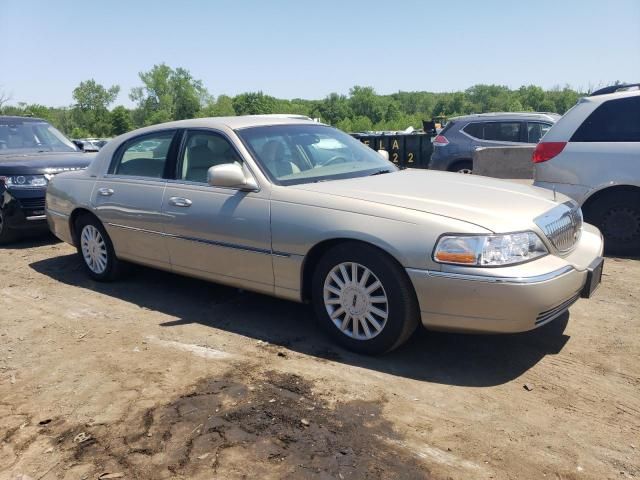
{"x": 592, "y": 154}
{"x": 453, "y": 148}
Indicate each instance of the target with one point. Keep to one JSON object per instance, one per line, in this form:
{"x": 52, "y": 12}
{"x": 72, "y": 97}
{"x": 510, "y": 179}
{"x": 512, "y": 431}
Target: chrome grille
{"x": 32, "y": 203}
{"x": 562, "y": 225}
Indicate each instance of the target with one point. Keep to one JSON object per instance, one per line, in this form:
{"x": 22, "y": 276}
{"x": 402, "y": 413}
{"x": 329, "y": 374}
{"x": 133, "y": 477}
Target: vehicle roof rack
{"x": 616, "y": 88}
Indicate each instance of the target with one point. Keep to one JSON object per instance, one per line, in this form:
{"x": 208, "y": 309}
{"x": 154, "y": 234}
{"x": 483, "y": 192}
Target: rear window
{"x": 474, "y": 129}
{"x": 613, "y": 121}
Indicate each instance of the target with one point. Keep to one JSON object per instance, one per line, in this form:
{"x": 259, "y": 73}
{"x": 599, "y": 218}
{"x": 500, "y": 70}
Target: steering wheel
{"x": 335, "y": 159}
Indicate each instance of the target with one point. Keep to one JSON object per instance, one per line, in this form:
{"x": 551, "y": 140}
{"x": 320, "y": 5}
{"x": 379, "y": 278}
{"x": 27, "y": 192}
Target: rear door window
{"x": 502, "y": 131}
{"x": 613, "y": 121}
{"x": 144, "y": 156}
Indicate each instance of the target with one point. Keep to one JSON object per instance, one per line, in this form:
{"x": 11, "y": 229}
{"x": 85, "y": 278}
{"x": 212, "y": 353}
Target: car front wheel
{"x": 96, "y": 250}
{"x": 364, "y": 299}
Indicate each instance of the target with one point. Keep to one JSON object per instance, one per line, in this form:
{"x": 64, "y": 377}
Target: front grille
{"x": 562, "y": 225}
{"x": 32, "y": 203}
{"x": 554, "y": 312}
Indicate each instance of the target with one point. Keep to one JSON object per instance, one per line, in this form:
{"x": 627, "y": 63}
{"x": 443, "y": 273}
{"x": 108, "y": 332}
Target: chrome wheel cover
{"x": 94, "y": 249}
{"x": 356, "y": 301}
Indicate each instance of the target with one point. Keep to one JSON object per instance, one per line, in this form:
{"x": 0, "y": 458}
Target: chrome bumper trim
{"x": 36, "y": 217}
{"x": 489, "y": 279}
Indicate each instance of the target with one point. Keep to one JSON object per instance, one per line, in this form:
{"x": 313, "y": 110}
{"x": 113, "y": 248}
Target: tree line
{"x": 168, "y": 94}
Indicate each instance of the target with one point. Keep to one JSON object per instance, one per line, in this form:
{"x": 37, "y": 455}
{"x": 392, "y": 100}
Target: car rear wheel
{"x": 6, "y": 235}
{"x": 363, "y": 299}
{"x": 96, "y": 250}
{"x": 617, "y": 215}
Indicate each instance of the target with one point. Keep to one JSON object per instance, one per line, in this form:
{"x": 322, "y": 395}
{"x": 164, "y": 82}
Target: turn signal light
{"x": 546, "y": 151}
{"x": 456, "y": 257}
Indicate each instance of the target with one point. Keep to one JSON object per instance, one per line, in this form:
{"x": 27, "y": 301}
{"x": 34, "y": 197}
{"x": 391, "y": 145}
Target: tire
{"x": 372, "y": 333}
{"x": 6, "y": 235}
{"x": 465, "y": 166}
{"x": 96, "y": 250}
{"x": 617, "y": 215}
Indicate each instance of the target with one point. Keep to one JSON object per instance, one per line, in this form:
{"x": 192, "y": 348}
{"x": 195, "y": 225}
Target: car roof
{"x": 509, "y": 116}
{"x": 236, "y": 122}
{"x": 610, "y": 96}
{"x": 18, "y": 119}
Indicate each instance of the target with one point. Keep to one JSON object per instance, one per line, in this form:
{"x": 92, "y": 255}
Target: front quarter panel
{"x": 301, "y": 220}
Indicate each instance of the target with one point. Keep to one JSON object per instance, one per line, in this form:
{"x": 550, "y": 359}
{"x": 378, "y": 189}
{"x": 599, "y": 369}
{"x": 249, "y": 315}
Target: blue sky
{"x": 308, "y": 49}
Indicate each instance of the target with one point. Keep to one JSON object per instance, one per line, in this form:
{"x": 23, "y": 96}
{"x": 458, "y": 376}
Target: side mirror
{"x": 230, "y": 175}
{"x": 384, "y": 154}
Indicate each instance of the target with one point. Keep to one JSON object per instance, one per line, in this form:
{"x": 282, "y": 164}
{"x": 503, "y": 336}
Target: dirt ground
{"x": 160, "y": 376}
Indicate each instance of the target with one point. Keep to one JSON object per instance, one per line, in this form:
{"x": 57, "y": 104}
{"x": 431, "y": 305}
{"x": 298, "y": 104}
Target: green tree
{"x": 333, "y": 109}
{"x": 254, "y": 103}
{"x": 167, "y": 94}
{"x": 91, "y": 108}
{"x": 365, "y": 102}
{"x": 120, "y": 120}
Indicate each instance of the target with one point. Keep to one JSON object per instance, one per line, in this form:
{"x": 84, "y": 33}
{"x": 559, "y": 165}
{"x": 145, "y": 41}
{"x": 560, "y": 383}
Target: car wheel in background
{"x": 96, "y": 250}
{"x": 465, "y": 167}
{"x": 364, "y": 299}
{"x": 617, "y": 215}
{"x": 6, "y": 235}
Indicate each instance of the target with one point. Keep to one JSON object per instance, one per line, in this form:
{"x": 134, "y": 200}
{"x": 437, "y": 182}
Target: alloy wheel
{"x": 94, "y": 249}
{"x": 356, "y": 301}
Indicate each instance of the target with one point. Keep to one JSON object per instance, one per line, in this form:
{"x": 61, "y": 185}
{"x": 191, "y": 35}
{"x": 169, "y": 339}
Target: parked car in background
{"x": 453, "y": 147}
{"x": 300, "y": 210}
{"x": 31, "y": 153}
{"x": 592, "y": 154}
{"x": 90, "y": 144}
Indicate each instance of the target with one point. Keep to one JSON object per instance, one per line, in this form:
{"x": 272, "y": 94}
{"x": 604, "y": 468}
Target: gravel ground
{"x": 160, "y": 376}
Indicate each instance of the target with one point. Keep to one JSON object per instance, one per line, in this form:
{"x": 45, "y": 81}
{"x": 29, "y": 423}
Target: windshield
{"x": 17, "y": 136}
{"x": 294, "y": 154}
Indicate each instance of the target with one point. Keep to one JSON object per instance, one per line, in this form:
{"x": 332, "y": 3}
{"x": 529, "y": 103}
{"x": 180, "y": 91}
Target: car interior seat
{"x": 273, "y": 155}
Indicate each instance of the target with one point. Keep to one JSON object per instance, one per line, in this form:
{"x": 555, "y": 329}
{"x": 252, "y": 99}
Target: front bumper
{"x": 24, "y": 209}
{"x": 509, "y": 299}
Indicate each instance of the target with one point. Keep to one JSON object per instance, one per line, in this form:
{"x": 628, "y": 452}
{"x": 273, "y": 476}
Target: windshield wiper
{"x": 380, "y": 172}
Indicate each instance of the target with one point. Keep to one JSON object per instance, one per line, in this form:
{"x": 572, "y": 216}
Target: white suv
{"x": 592, "y": 154}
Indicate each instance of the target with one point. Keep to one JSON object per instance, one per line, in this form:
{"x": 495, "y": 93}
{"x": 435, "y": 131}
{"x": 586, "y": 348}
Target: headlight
{"x": 489, "y": 250}
{"x": 24, "y": 181}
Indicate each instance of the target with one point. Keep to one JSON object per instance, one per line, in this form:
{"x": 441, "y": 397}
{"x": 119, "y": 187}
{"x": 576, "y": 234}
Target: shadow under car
{"x": 446, "y": 358}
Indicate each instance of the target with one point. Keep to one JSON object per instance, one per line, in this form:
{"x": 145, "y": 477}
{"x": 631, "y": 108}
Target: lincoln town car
{"x": 300, "y": 210}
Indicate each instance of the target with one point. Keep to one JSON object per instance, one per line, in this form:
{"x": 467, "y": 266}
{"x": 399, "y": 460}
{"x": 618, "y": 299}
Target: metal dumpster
{"x": 407, "y": 150}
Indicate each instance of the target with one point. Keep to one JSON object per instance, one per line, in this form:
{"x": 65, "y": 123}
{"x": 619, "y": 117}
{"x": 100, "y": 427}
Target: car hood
{"x": 497, "y": 205}
{"x": 45, "y": 162}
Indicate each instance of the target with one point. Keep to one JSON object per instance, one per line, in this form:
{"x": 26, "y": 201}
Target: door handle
{"x": 180, "y": 202}
{"x": 105, "y": 192}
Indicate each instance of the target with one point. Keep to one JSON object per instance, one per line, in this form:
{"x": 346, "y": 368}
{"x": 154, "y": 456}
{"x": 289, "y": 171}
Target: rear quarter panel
{"x": 65, "y": 193}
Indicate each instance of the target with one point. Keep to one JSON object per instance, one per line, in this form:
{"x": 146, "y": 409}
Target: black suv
{"x": 31, "y": 152}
